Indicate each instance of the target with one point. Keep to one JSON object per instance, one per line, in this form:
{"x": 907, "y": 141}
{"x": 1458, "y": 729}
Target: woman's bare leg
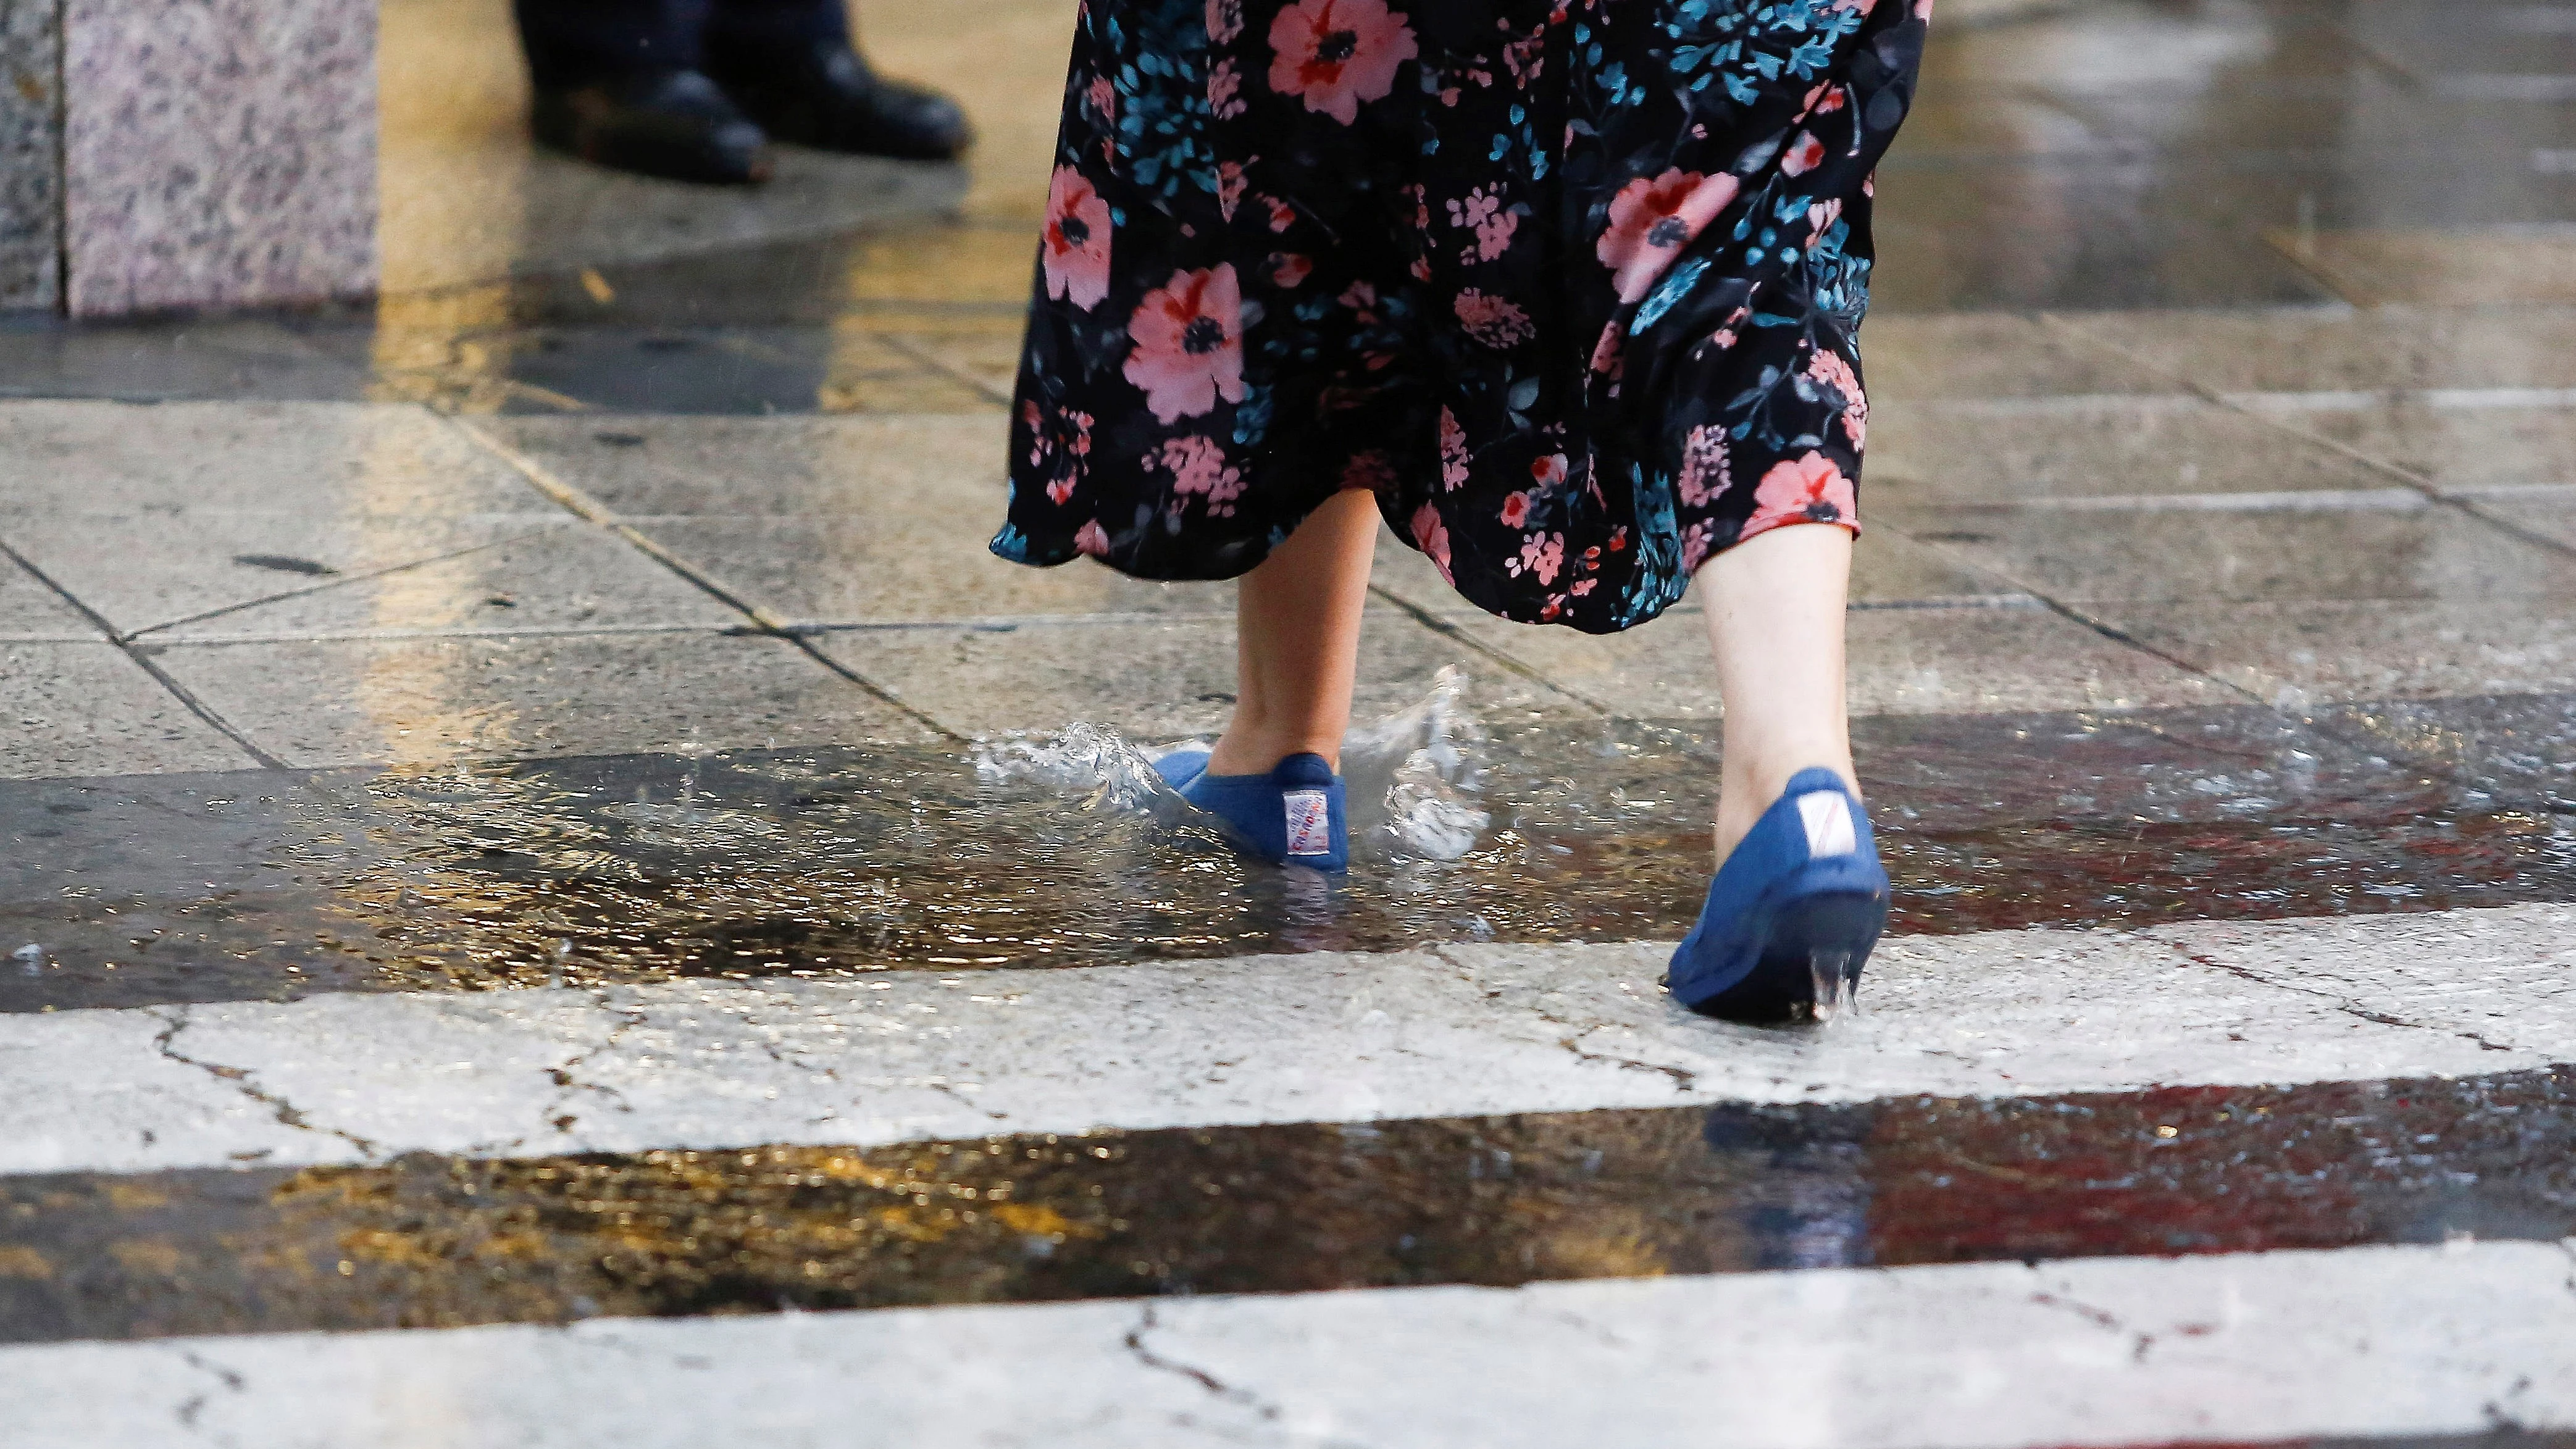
{"x": 1298, "y": 616}
{"x": 1775, "y": 614}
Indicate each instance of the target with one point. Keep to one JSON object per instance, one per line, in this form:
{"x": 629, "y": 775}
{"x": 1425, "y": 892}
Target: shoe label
{"x": 1310, "y": 822}
{"x": 1829, "y": 824}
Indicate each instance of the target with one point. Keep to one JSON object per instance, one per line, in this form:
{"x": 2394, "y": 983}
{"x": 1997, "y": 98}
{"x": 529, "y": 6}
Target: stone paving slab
{"x": 2298, "y": 654}
{"x": 1153, "y": 679}
{"x": 2339, "y": 348}
{"x": 2060, "y": 448}
{"x": 561, "y": 577}
{"x": 71, "y": 459}
{"x": 1972, "y": 659}
{"x": 751, "y": 467}
{"x": 2242, "y": 1348}
{"x": 71, "y": 709}
{"x": 1314, "y": 1037}
{"x": 328, "y": 702}
{"x": 2391, "y": 549}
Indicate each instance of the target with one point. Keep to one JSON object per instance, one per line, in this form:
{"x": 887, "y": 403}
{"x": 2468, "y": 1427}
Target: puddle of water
{"x": 441, "y": 1241}
{"x": 1066, "y": 850}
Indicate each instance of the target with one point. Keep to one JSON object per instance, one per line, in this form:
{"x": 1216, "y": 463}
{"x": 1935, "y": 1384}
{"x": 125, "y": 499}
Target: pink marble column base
{"x": 217, "y": 152}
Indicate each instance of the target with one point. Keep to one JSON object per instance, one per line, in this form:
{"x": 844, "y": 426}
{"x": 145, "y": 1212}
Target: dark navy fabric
{"x": 577, "y": 42}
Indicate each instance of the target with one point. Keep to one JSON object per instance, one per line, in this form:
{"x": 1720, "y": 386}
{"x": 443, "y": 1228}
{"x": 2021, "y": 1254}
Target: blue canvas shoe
{"x": 1294, "y": 815}
{"x": 1793, "y": 914}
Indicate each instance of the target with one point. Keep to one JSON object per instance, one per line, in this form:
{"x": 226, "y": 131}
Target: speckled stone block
{"x": 31, "y": 211}
{"x": 218, "y": 152}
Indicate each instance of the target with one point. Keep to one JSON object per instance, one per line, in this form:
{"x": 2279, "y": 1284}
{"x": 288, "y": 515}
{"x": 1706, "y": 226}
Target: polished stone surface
{"x": 218, "y": 153}
{"x": 31, "y": 212}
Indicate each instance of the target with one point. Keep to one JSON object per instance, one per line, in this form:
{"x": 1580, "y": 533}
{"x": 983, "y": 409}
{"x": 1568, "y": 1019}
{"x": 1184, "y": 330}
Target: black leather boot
{"x": 671, "y": 123}
{"x": 818, "y": 92}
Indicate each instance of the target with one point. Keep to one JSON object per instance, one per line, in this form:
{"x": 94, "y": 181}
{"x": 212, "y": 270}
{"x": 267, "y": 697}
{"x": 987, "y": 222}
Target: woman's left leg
{"x": 1299, "y": 648}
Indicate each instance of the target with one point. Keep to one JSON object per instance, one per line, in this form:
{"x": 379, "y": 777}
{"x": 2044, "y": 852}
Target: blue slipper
{"x": 1792, "y": 915}
{"x": 1294, "y": 815}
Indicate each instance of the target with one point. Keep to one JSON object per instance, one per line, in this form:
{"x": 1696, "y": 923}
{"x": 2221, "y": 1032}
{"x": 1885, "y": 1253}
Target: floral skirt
{"x": 1573, "y": 286}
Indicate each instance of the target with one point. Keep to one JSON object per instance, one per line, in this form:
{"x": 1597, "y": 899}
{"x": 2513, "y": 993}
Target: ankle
{"x": 1746, "y": 792}
{"x": 1243, "y": 750}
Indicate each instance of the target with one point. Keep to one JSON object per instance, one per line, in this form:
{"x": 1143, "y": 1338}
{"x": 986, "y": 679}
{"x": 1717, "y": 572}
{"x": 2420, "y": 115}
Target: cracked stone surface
{"x": 2432, "y": 1341}
{"x": 1463, "y": 1031}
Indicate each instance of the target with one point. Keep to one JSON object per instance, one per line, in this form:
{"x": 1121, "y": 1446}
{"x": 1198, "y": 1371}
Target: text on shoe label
{"x": 1310, "y": 822}
{"x": 1829, "y": 824}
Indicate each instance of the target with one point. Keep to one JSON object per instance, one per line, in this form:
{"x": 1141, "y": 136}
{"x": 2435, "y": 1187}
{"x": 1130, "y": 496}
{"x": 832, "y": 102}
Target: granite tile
{"x": 31, "y": 611}
{"x": 2049, "y": 448}
{"x": 2301, "y": 652}
{"x": 218, "y": 152}
{"x": 2465, "y": 440}
{"x": 1889, "y": 570}
{"x": 1969, "y": 660}
{"x": 328, "y": 459}
{"x": 69, "y": 710}
{"x": 361, "y": 701}
{"x": 31, "y": 212}
{"x": 1986, "y": 355}
{"x": 2501, "y": 265}
{"x": 1153, "y": 680}
{"x": 2411, "y": 550}
{"x": 741, "y": 467}
{"x": 2339, "y": 349}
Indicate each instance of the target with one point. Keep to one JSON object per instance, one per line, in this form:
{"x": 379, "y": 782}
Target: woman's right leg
{"x": 1775, "y": 614}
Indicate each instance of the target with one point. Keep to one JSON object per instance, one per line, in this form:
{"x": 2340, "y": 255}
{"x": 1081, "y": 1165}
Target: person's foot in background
{"x": 662, "y": 87}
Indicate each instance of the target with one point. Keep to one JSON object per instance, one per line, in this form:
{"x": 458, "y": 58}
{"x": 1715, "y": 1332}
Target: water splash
{"x": 1416, "y": 777}
{"x": 1098, "y": 764}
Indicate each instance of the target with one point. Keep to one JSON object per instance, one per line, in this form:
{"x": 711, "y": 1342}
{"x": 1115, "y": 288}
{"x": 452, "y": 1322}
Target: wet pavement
{"x": 555, "y": 894}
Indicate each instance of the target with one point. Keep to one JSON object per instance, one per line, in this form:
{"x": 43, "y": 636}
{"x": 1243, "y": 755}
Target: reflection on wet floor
{"x": 2109, "y": 155}
{"x": 431, "y": 1241}
{"x": 832, "y": 862}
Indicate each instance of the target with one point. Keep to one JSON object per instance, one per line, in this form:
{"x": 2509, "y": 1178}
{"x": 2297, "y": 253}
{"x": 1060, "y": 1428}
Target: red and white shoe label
{"x": 1828, "y": 818}
{"x": 1310, "y": 822}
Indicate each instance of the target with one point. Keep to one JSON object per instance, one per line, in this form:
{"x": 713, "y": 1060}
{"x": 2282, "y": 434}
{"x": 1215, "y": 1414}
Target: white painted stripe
{"x": 1324, "y": 1037}
{"x": 2363, "y": 1342}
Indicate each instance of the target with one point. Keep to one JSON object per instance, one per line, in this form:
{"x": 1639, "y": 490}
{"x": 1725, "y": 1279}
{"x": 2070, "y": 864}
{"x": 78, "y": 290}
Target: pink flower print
{"x": 1197, "y": 465}
{"x": 1339, "y": 53}
{"x": 1282, "y": 215}
{"x": 1076, "y": 250}
{"x": 1542, "y": 556}
{"x": 1652, "y": 220}
{"x": 1223, "y": 86}
{"x": 1229, "y": 187}
{"x": 1830, "y": 369}
{"x": 1695, "y": 545}
{"x": 1189, "y": 343}
{"x": 1060, "y": 490}
{"x": 1825, "y": 99}
{"x": 1453, "y": 452}
{"x": 1224, "y": 20}
{"x": 1474, "y": 209}
{"x": 1091, "y": 539}
{"x": 1289, "y": 270}
{"x": 1820, "y": 219}
{"x": 1811, "y": 489}
{"x": 1706, "y": 474}
{"x": 1804, "y": 155}
{"x": 1432, "y": 537}
{"x": 1494, "y": 322}
{"x": 1516, "y": 509}
{"x": 1104, "y": 99}
{"x": 1549, "y": 471}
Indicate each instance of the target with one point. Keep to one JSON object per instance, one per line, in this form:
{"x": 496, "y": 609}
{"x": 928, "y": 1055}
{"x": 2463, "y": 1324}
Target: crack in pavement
{"x": 230, "y": 1380}
{"x": 175, "y": 1020}
{"x": 1685, "y": 1080}
{"x": 554, "y": 1113}
{"x": 1267, "y": 1411}
{"x": 2344, "y": 1004}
